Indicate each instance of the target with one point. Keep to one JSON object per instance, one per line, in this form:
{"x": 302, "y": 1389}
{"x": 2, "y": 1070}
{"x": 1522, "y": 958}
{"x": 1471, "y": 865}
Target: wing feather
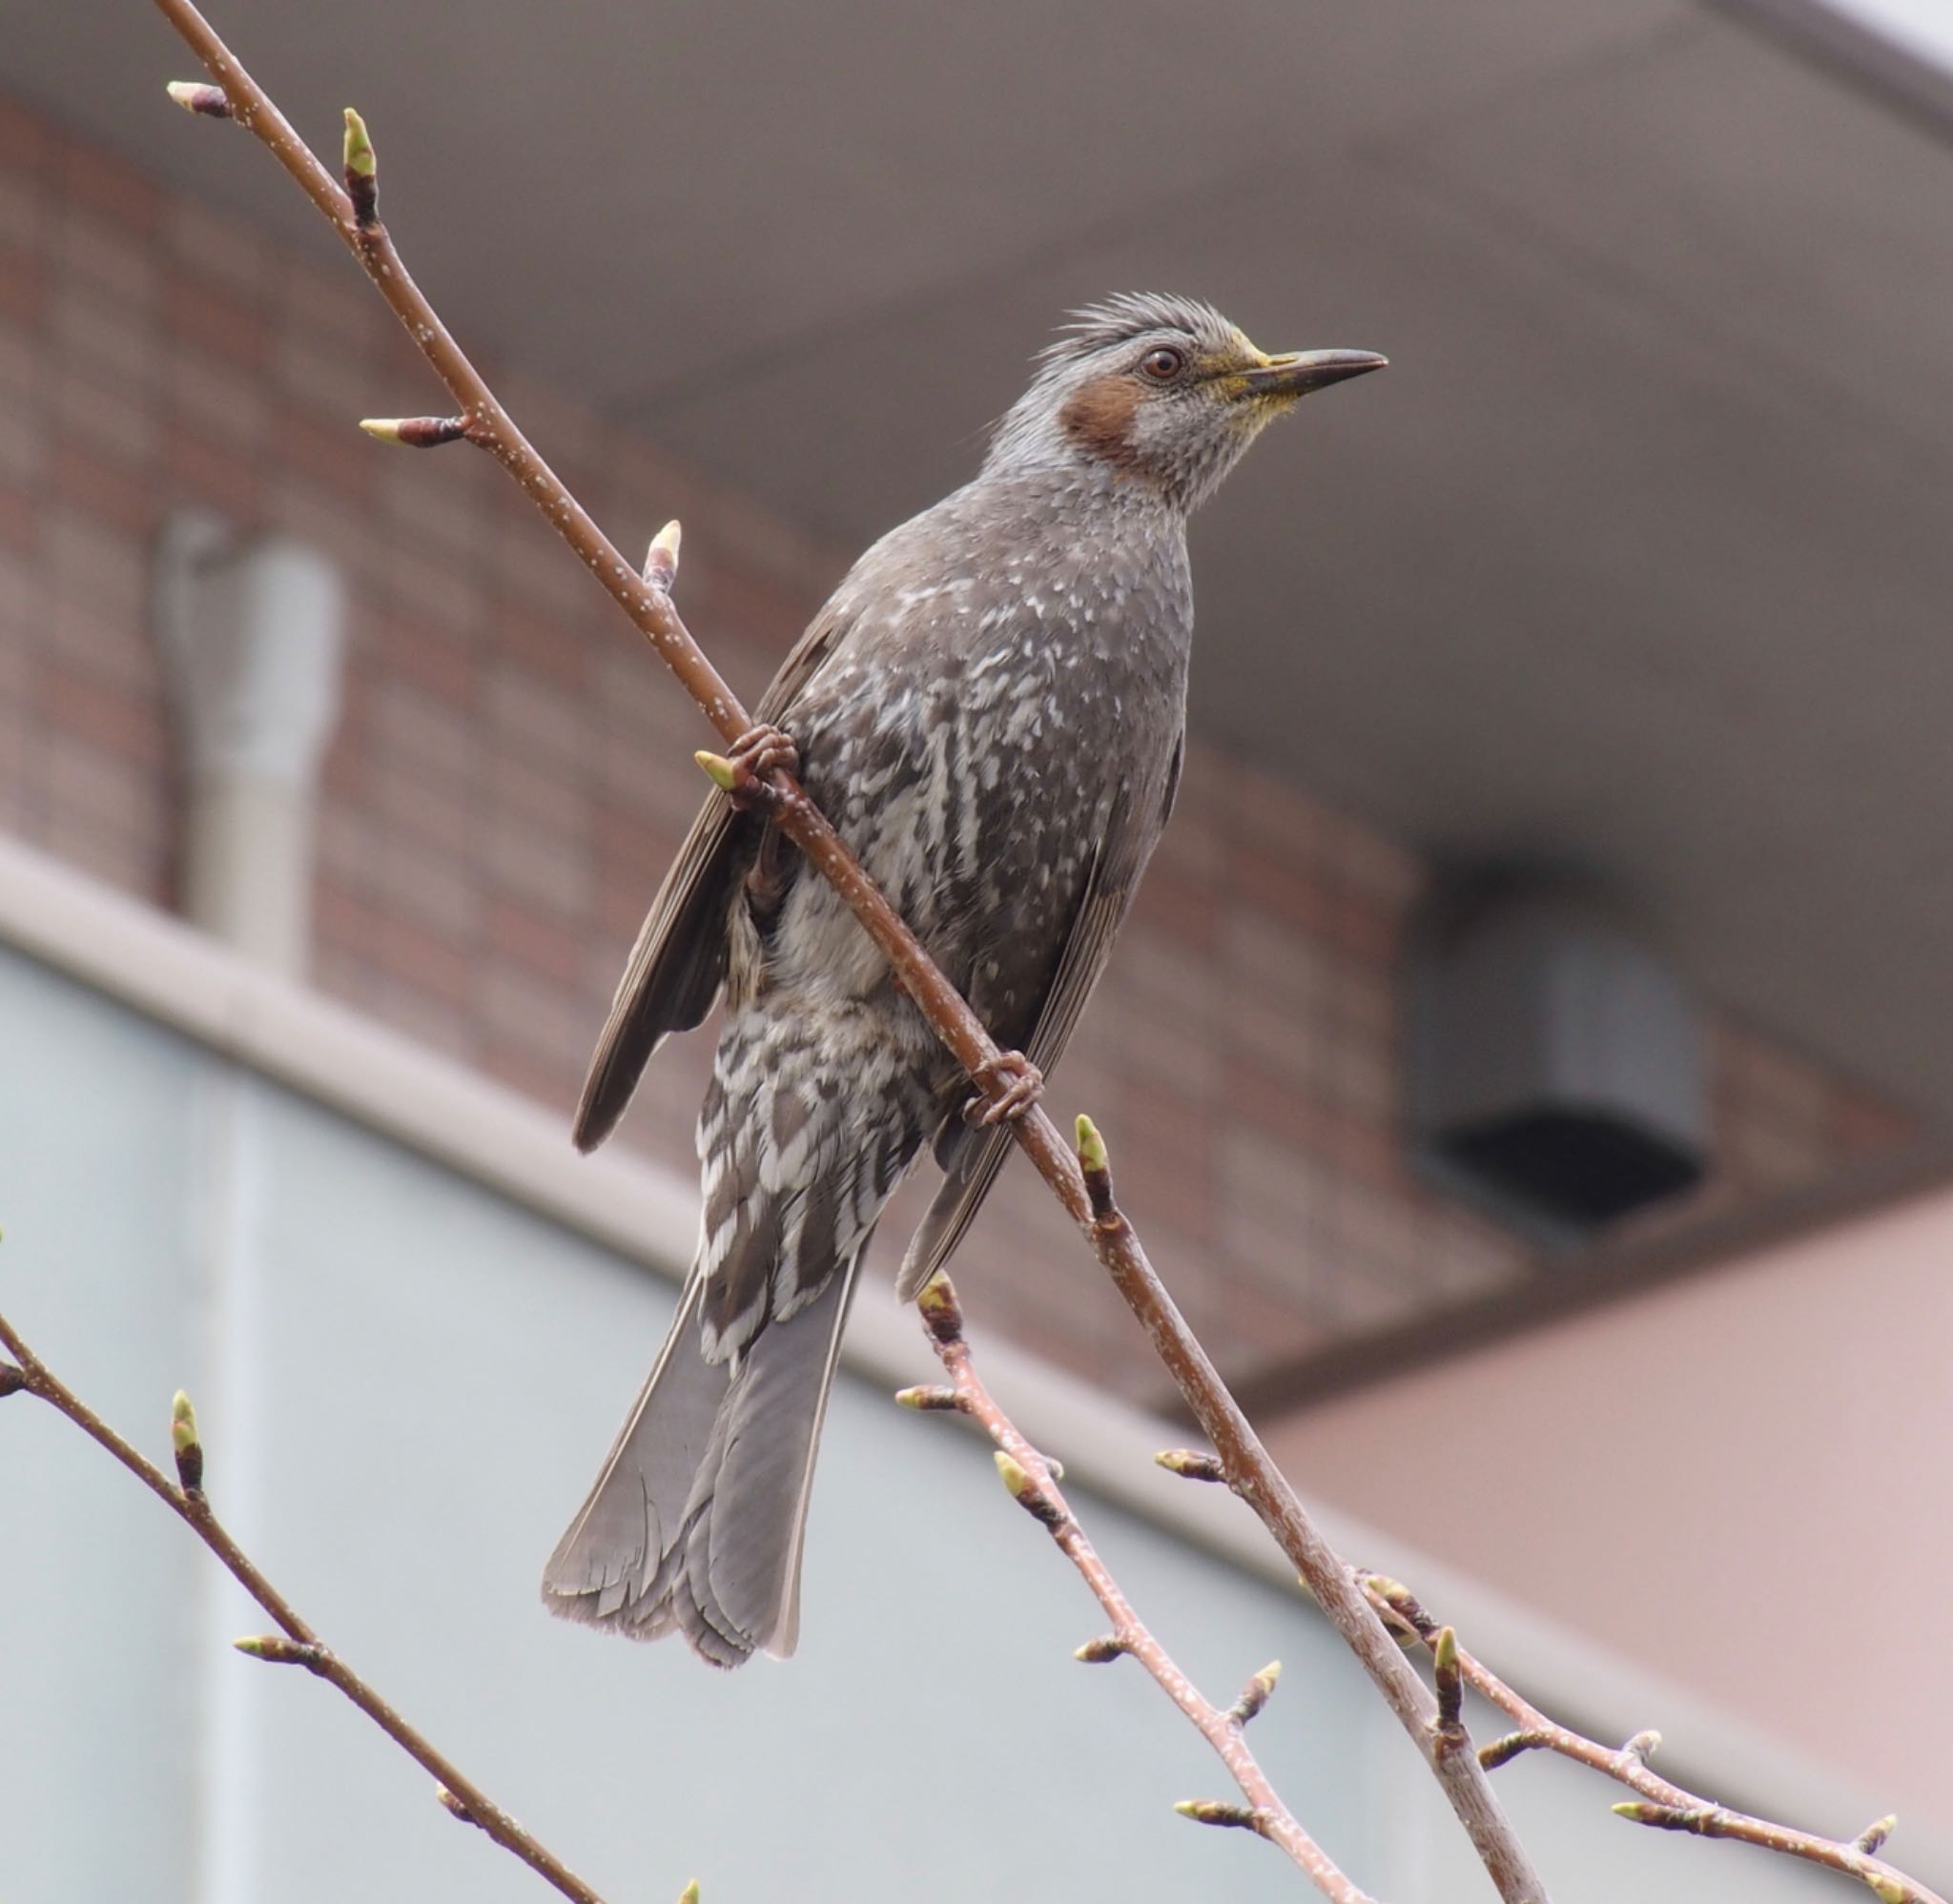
{"x": 971, "y": 1157}
{"x": 678, "y": 964}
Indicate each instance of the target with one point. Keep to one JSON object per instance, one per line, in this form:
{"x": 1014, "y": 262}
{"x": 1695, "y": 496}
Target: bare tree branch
{"x": 1033, "y": 1483}
{"x": 297, "y": 1643}
{"x": 1251, "y": 1471}
{"x": 1662, "y": 1804}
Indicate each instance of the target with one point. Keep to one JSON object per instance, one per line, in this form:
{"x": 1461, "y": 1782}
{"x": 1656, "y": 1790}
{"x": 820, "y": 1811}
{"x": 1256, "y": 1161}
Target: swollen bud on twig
{"x": 718, "y": 769}
{"x": 277, "y": 1650}
{"x": 926, "y": 1400}
{"x": 690, "y": 1894}
{"x": 188, "y": 1448}
{"x": 1887, "y": 1890}
{"x": 1103, "y": 1651}
{"x": 1696, "y": 1818}
{"x": 660, "y": 559}
{"x": 416, "y": 433}
{"x": 1254, "y": 1695}
{"x": 453, "y": 1806}
{"x": 11, "y": 1379}
{"x": 1642, "y": 1747}
{"x": 1402, "y": 1602}
{"x": 1451, "y": 1681}
{"x": 1190, "y": 1464}
{"x": 362, "y": 172}
{"x": 1502, "y": 1752}
{"x": 193, "y": 95}
{"x": 1096, "y": 1162}
{"x": 1872, "y": 1839}
{"x": 1213, "y": 1812}
{"x": 1092, "y": 1152}
{"x": 942, "y": 1315}
{"x": 1025, "y": 1491}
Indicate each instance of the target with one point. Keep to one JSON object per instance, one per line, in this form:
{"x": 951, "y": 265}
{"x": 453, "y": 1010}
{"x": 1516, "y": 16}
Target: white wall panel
{"x": 405, "y": 1379}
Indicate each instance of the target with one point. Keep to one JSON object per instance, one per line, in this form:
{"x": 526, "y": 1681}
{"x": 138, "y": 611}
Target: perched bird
{"x": 990, "y": 710}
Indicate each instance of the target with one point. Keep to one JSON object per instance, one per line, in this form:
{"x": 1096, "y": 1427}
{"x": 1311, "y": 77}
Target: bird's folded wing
{"x": 679, "y": 961}
{"x": 674, "y": 973}
{"x": 971, "y": 1157}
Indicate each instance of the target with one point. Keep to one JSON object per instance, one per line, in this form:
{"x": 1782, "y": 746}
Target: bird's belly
{"x": 820, "y": 948}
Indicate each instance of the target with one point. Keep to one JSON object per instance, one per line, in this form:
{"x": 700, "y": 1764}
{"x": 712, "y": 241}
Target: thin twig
{"x": 1251, "y": 1471}
{"x": 1029, "y": 1477}
{"x": 1661, "y": 1803}
{"x": 300, "y": 1645}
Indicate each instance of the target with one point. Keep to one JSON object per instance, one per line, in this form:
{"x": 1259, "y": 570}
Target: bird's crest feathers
{"x": 1132, "y": 314}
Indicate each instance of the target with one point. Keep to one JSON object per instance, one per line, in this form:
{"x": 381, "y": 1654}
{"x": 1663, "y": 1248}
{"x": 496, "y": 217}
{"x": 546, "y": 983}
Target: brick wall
{"x": 513, "y": 772}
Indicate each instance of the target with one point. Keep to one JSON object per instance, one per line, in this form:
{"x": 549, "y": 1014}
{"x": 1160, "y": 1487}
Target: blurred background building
{"x": 1527, "y": 1060}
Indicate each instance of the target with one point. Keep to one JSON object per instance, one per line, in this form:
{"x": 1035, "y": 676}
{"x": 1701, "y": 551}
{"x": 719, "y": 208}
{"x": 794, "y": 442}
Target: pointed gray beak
{"x": 1301, "y": 372}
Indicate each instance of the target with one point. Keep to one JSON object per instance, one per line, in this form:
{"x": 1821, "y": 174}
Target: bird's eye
{"x": 1164, "y": 365}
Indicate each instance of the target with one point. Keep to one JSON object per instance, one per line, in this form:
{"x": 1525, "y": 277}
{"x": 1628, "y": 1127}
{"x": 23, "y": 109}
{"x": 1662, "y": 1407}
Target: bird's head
{"x": 1160, "y": 390}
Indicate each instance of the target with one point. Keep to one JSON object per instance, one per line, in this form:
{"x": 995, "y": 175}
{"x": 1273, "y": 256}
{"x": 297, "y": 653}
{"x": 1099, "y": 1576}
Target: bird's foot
{"x": 1009, "y": 1084}
{"x": 769, "y": 876}
{"x": 763, "y": 752}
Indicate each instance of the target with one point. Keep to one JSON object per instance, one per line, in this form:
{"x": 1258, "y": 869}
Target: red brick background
{"x": 513, "y": 771}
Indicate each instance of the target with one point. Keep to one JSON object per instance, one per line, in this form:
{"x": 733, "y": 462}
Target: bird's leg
{"x": 1009, "y": 1085}
{"x": 766, "y": 878}
{"x": 763, "y": 750}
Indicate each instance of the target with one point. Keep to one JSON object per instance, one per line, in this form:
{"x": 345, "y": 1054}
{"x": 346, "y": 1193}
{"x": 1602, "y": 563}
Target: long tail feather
{"x": 699, "y": 1516}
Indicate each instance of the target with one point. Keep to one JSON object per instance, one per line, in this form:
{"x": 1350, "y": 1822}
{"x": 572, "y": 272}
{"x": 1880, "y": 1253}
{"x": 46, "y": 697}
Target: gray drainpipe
{"x": 252, "y": 633}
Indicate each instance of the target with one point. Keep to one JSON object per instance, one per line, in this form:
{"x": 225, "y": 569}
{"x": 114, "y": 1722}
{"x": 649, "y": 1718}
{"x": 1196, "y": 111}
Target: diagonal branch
{"x": 300, "y": 1645}
{"x": 1251, "y": 1470}
{"x": 1662, "y": 1804}
{"x": 1033, "y": 1482}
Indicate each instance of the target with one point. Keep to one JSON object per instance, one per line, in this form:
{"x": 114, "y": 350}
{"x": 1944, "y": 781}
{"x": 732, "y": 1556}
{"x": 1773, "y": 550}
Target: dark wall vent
{"x": 1555, "y": 1067}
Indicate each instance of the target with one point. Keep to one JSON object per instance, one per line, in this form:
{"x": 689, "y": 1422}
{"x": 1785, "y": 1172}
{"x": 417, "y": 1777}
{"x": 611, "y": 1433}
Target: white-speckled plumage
{"x": 990, "y": 710}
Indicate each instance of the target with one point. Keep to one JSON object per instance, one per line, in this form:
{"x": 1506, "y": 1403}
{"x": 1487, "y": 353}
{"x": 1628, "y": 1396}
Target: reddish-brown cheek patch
{"x": 1098, "y": 417}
